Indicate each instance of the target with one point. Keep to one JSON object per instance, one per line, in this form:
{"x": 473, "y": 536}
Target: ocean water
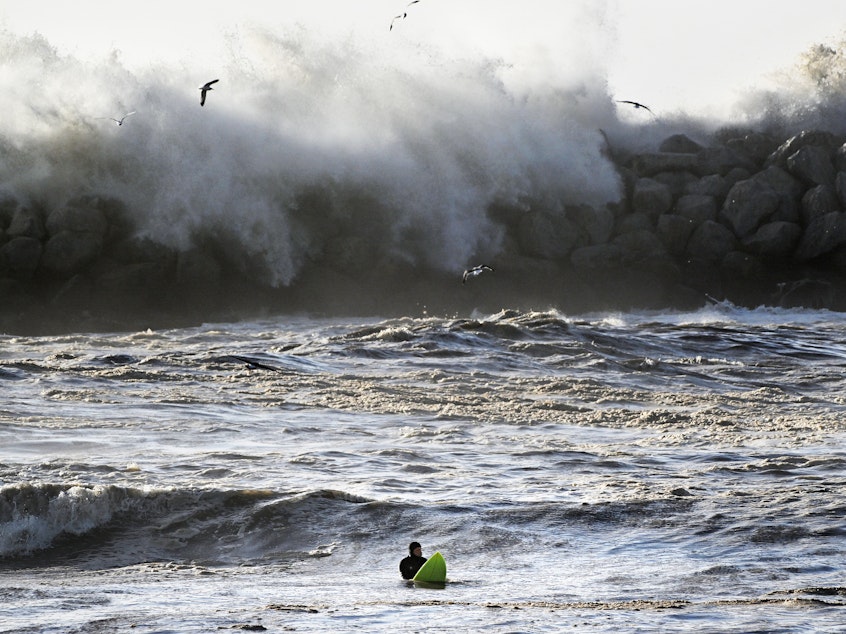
{"x": 618, "y": 471}
{"x": 674, "y": 472}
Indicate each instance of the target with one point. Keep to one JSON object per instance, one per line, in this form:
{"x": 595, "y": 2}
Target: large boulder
{"x": 680, "y": 144}
{"x": 807, "y": 138}
{"x": 713, "y": 185}
{"x": 722, "y": 160}
{"x": 597, "y": 223}
{"x": 789, "y": 190}
{"x": 634, "y": 222}
{"x": 819, "y": 201}
{"x": 812, "y": 164}
{"x": 68, "y": 252}
{"x": 807, "y": 293}
{"x": 21, "y": 256}
{"x": 77, "y": 233}
{"x": 770, "y": 195}
{"x": 651, "y": 163}
{"x": 8, "y": 206}
{"x": 26, "y": 222}
{"x": 639, "y": 246}
{"x": 755, "y": 146}
{"x": 780, "y": 180}
{"x": 775, "y": 239}
{"x": 822, "y": 235}
{"x": 678, "y": 182}
{"x": 748, "y": 204}
{"x": 674, "y": 231}
{"x": 549, "y": 236}
{"x": 697, "y": 208}
{"x": 651, "y": 197}
{"x": 711, "y": 241}
{"x": 735, "y": 176}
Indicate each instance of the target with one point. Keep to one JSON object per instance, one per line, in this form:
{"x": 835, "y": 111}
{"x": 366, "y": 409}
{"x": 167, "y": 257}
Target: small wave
{"x": 33, "y": 516}
{"x": 779, "y": 534}
{"x": 110, "y": 525}
{"x": 612, "y": 513}
{"x": 824, "y": 591}
{"x": 10, "y": 375}
{"x": 116, "y": 359}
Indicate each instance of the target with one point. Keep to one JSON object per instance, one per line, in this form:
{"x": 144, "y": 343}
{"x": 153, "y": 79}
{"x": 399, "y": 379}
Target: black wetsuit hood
{"x": 411, "y": 564}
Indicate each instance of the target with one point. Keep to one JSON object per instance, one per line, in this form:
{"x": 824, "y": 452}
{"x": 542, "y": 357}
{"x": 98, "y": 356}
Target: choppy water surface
{"x": 679, "y": 472}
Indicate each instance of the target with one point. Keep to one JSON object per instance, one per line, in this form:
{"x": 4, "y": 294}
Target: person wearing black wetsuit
{"x": 411, "y": 564}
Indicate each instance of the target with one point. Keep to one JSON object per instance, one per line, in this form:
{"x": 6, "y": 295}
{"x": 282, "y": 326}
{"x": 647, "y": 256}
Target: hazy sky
{"x": 674, "y": 52}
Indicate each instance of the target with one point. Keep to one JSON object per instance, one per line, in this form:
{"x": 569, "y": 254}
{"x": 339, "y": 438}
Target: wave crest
{"x": 308, "y": 152}
{"x": 33, "y": 516}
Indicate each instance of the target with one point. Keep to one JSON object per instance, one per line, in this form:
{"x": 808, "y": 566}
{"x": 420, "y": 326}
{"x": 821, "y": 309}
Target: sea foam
{"x": 306, "y": 150}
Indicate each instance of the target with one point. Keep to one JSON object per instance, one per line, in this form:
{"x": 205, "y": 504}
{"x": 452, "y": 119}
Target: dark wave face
{"x": 106, "y": 526}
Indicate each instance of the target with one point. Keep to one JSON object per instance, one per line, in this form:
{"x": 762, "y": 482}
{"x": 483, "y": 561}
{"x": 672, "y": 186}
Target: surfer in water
{"x": 411, "y": 564}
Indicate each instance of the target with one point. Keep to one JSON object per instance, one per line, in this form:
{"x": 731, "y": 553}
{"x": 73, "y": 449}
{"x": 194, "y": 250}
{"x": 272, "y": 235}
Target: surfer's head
{"x": 412, "y": 547}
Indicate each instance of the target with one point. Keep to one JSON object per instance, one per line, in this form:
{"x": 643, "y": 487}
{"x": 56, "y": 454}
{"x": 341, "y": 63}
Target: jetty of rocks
{"x": 747, "y": 217}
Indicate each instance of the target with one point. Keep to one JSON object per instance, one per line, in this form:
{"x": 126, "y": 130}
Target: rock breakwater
{"x": 749, "y": 218}
{"x": 746, "y": 217}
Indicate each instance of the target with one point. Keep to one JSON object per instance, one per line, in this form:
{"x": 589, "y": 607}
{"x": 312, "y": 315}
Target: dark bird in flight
{"x": 475, "y": 271}
{"x": 204, "y": 89}
{"x": 636, "y": 105}
{"x": 402, "y": 15}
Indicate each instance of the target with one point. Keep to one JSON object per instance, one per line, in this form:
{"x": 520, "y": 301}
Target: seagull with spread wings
{"x": 474, "y": 272}
{"x": 636, "y": 105}
{"x": 402, "y": 15}
{"x": 118, "y": 121}
{"x": 204, "y": 89}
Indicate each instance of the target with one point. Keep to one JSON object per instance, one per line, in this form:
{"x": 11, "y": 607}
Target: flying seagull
{"x": 402, "y": 15}
{"x": 475, "y": 271}
{"x": 204, "y": 89}
{"x": 118, "y": 121}
{"x": 636, "y": 105}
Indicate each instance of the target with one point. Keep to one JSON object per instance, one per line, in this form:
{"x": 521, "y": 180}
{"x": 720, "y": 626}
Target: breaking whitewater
{"x": 304, "y": 184}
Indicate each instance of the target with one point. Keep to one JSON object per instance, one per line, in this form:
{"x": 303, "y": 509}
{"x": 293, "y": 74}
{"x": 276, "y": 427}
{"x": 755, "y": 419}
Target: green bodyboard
{"x": 433, "y": 571}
